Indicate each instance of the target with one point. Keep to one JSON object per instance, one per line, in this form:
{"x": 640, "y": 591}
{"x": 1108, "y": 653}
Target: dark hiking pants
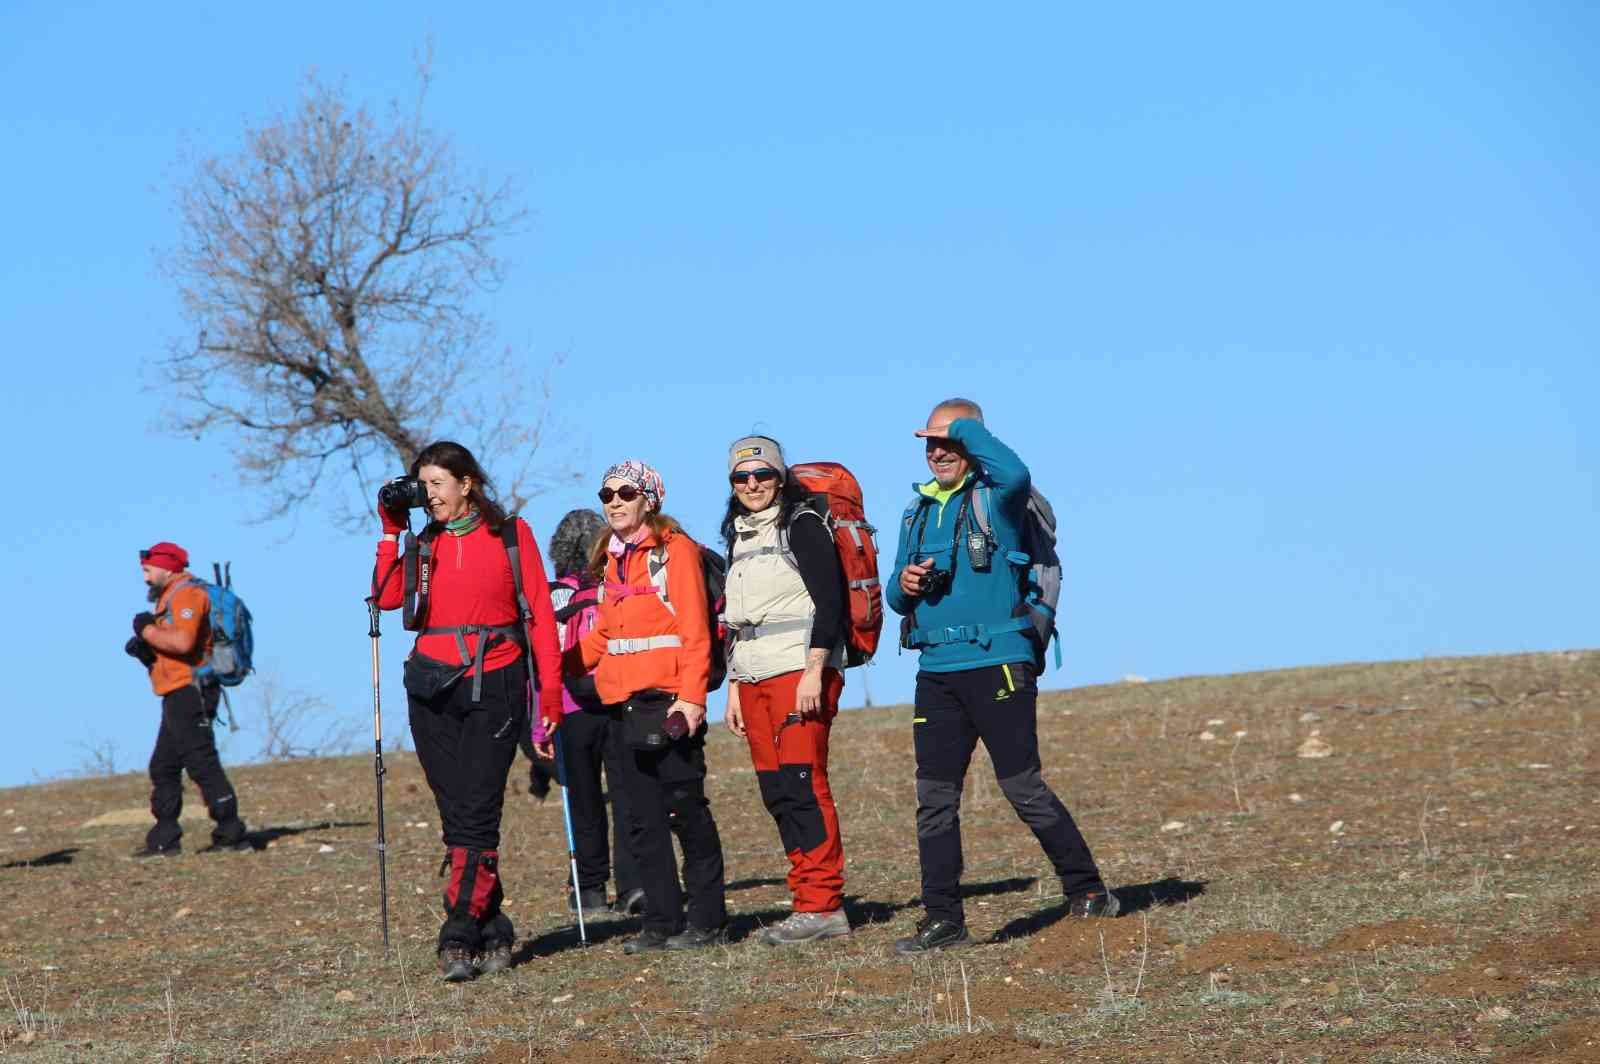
{"x": 185, "y": 742}
{"x": 666, "y": 796}
{"x": 587, "y": 751}
{"x": 466, "y": 751}
{"x": 954, "y": 710}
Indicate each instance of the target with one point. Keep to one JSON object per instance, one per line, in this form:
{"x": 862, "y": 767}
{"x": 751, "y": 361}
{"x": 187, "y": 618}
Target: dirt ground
{"x": 1427, "y": 892}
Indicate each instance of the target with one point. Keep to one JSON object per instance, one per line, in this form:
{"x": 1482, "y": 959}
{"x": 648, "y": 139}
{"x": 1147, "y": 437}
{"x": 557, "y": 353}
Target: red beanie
{"x": 168, "y": 556}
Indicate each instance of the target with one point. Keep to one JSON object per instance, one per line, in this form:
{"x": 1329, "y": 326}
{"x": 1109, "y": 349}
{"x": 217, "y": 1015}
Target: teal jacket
{"x": 972, "y": 624}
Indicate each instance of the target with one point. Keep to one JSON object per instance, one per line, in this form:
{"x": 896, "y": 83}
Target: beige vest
{"x": 768, "y": 601}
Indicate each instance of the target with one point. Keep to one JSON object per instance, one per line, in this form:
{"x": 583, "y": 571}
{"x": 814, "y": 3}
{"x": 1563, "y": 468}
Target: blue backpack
{"x": 232, "y": 642}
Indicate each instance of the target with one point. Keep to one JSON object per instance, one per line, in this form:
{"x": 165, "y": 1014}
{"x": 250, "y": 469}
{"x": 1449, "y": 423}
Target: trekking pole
{"x": 377, "y": 771}
{"x": 572, "y": 849}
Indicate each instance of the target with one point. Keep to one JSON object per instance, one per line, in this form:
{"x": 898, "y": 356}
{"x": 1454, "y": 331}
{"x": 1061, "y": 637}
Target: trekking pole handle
{"x": 372, "y": 617}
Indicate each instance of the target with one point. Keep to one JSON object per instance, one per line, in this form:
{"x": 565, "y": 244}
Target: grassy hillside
{"x": 1428, "y": 892}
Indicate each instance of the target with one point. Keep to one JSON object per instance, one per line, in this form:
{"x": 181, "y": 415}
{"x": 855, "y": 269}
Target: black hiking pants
{"x": 466, "y": 750}
{"x": 185, "y": 742}
{"x": 665, "y": 795}
{"x": 586, "y": 749}
{"x": 954, "y": 710}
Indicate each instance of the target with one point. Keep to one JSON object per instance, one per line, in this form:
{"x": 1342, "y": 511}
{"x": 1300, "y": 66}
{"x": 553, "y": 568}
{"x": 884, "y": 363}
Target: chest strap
{"x": 756, "y": 631}
{"x": 488, "y": 634}
{"x": 982, "y": 634}
{"x": 642, "y": 644}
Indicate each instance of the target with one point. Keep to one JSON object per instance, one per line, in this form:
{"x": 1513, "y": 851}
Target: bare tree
{"x": 295, "y": 724}
{"x": 328, "y": 270}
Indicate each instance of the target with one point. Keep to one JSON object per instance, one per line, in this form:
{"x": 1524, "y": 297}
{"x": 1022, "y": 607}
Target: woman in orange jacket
{"x": 650, "y": 651}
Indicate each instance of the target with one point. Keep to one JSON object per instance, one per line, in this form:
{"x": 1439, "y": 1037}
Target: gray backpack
{"x": 1041, "y": 587}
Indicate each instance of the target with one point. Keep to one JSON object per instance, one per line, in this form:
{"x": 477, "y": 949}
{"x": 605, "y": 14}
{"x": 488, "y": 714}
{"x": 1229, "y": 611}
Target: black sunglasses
{"x": 627, "y": 493}
{"x": 144, "y": 555}
{"x": 764, "y": 476}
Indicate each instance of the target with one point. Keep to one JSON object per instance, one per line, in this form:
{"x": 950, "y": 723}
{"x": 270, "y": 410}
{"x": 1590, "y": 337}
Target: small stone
{"x": 1173, "y": 825}
{"x": 1336, "y": 827}
{"x": 1240, "y": 734}
{"x": 1207, "y": 736}
{"x": 1538, "y": 764}
{"x": 181, "y": 913}
{"x": 579, "y": 1022}
{"x": 1295, "y": 798}
{"x": 1498, "y": 1014}
{"x": 324, "y": 848}
{"x": 345, "y": 996}
{"x": 1305, "y": 980}
{"x": 1516, "y": 895}
{"x": 561, "y": 1000}
{"x": 1310, "y": 716}
{"x": 1315, "y": 747}
{"x": 19, "y": 830}
{"x": 1215, "y": 722}
{"x": 1491, "y": 972}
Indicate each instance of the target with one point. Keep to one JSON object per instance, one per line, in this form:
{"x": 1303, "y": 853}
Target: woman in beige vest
{"x": 786, "y": 617}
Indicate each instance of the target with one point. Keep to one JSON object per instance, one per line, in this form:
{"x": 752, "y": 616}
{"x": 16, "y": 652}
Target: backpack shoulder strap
{"x": 982, "y": 505}
{"x": 656, "y": 565}
{"x": 508, "y": 537}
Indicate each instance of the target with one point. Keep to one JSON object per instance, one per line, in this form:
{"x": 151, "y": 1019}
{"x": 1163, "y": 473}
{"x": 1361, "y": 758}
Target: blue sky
{"x": 1294, "y": 314}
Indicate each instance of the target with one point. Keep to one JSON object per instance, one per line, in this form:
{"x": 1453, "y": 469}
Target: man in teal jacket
{"x": 960, "y": 591}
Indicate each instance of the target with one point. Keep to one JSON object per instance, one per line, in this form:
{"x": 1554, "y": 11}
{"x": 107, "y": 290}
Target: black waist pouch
{"x": 643, "y": 717}
{"x": 428, "y": 678}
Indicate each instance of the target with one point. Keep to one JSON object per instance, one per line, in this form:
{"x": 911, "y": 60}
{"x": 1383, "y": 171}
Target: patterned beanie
{"x": 640, "y": 476}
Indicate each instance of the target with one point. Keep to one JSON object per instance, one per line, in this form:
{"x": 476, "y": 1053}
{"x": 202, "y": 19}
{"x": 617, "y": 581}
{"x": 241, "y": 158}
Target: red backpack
{"x": 836, "y": 495}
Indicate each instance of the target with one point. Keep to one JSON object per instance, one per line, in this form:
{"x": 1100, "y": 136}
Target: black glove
{"x": 141, "y": 621}
{"x": 139, "y": 650}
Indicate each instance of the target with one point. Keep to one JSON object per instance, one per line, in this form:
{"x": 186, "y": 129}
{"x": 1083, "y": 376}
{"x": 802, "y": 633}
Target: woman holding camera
{"x": 786, "y": 614}
{"x": 467, "y": 682}
{"x": 650, "y": 651}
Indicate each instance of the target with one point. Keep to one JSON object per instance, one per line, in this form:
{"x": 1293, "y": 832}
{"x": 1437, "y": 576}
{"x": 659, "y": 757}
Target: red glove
{"x": 393, "y": 523}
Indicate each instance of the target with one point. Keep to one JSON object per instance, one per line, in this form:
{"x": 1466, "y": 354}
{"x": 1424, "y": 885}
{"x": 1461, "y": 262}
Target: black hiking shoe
{"x": 455, "y": 965}
{"x": 697, "y": 937}
{"x": 1091, "y": 903}
{"x": 630, "y": 903}
{"x": 646, "y": 941}
{"x": 593, "y": 900}
{"x": 147, "y": 851}
{"x": 493, "y": 960}
{"x": 931, "y": 935}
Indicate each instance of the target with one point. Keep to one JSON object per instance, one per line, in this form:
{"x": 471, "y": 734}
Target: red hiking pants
{"x": 791, "y": 761}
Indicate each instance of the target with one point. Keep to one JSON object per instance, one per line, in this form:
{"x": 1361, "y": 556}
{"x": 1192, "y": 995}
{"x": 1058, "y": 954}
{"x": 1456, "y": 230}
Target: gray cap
{"x": 762, "y": 448}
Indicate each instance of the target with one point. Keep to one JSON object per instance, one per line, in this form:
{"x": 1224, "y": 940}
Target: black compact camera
{"x": 403, "y": 493}
{"x": 936, "y": 581}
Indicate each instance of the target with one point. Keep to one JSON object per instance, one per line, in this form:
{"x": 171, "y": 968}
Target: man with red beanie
{"x": 173, "y": 641}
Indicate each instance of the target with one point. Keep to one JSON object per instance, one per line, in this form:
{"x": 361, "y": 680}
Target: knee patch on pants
{"x": 1031, "y": 798}
{"x": 938, "y": 806}
{"x": 791, "y": 799}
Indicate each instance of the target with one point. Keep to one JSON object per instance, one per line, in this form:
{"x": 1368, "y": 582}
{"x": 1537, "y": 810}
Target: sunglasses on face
{"x": 627, "y": 493}
{"x": 763, "y": 476}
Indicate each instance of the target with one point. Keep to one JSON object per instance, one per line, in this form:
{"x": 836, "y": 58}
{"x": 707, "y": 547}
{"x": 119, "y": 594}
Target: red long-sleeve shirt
{"x": 472, "y": 584}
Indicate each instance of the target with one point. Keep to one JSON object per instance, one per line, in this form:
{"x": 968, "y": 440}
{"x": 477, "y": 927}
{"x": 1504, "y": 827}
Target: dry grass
{"x": 1453, "y": 915}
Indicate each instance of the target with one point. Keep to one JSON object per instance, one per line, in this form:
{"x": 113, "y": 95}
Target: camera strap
{"x": 417, "y": 578}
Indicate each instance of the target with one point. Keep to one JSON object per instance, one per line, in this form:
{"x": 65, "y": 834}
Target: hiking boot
{"x": 645, "y": 941}
{"x": 1096, "y": 901}
{"x": 455, "y": 965}
{"x": 593, "y": 900}
{"x": 147, "y": 851}
{"x": 695, "y": 938}
{"x": 493, "y": 960}
{"x": 933, "y": 934}
{"x": 629, "y": 903}
{"x": 807, "y": 927}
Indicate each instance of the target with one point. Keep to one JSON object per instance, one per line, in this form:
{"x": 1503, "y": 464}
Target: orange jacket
{"x": 183, "y": 605}
{"x": 631, "y": 609}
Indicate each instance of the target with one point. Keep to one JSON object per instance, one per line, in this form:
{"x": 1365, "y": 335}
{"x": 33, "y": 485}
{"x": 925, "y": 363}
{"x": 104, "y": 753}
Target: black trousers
{"x": 586, "y": 750}
{"x": 184, "y": 742}
{"x": 666, "y": 795}
{"x": 954, "y": 710}
{"x": 466, "y": 752}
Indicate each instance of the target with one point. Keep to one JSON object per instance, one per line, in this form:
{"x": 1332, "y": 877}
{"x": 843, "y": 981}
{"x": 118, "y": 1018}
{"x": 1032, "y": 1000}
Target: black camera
{"x": 936, "y": 581}
{"x": 403, "y": 493}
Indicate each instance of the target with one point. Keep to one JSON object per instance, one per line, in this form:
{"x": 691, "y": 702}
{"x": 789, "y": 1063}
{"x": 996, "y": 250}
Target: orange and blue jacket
{"x": 184, "y": 606}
